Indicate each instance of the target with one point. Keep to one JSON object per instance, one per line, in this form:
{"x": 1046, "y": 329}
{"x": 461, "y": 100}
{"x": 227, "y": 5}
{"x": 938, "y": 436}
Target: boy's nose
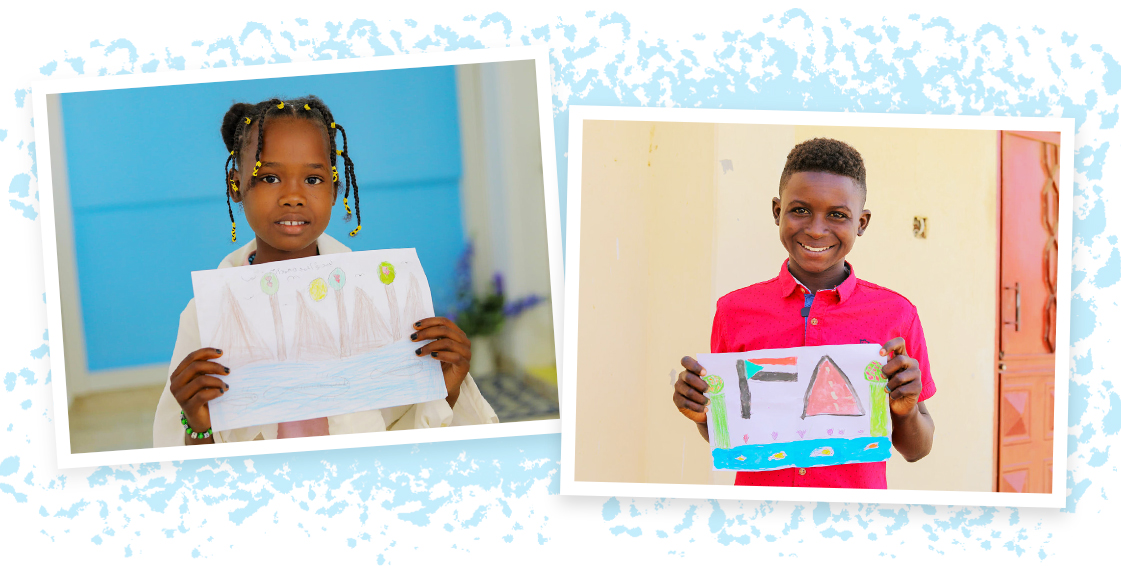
{"x": 817, "y": 228}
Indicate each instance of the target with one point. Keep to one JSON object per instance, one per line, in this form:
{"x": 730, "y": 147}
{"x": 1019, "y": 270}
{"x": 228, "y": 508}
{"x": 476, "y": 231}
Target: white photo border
{"x": 568, "y": 382}
{"x": 44, "y": 88}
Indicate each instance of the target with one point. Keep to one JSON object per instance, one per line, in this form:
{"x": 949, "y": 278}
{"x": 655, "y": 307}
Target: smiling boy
{"x": 817, "y": 300}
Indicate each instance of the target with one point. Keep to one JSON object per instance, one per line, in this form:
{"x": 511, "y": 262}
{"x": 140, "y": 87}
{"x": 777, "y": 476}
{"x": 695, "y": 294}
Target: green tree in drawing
{"x": 719, "y": 411}
{"x": 386, "y": 274}
{"x": 875, "y": 375}
{"x": 270, "y": 284}
{"x": 337, "y": 279}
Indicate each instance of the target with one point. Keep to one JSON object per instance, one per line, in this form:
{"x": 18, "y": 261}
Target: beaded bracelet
{"x": 192, "y": 433}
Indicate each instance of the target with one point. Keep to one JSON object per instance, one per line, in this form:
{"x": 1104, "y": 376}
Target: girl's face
{"x": 289, "y": 206}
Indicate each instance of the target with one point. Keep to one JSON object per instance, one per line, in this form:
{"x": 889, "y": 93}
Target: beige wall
{"x": 677, "y": 215}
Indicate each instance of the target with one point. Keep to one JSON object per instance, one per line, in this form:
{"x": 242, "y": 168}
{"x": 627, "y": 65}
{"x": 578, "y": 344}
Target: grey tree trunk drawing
{"x": 270, "y": 285}
{"x": 413, "y": 311}
{"x": 337, "y": 280}
{"x": 386, "y": 273}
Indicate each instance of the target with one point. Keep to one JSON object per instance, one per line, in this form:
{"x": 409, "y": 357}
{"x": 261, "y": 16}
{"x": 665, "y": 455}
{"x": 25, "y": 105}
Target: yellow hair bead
{"x": 355, "y": 231}
{"x": 234, "y": 185}
{"x": 233, "y": 232}
{"x": 231, "y": 153}
{"x": 256, "y": 168}
{"x": 280, "y": 106}
{"x": 346, "y": 205}
{"x": 338, "y": 152}
{"x": 306, "y": 107}
{"x": 247, "y": 120}
{"x": 332, "y": 124}
{"x": 335, "y": 176}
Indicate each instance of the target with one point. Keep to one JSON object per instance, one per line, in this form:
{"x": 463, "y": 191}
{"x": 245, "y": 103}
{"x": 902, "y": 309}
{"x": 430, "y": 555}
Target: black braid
{"x": 348, "y": 171}
{"x": 235, "y": 130}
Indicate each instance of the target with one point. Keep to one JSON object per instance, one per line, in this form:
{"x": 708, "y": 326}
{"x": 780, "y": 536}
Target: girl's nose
{"x": 292, "y": 195}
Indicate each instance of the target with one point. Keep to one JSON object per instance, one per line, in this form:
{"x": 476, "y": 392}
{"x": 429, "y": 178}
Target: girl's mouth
{"x": 292, "y": 227}
{"x": 812, "y": 249}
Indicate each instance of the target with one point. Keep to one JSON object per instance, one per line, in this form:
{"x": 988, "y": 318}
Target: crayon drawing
{"x": 323, "y": 364}
{"x": 797, "y": 407}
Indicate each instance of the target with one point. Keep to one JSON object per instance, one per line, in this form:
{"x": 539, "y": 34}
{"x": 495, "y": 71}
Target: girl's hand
{"x": 904, "y": 377}
{"x": 193, "y": 388}
{"x": 451, "y": 347}
{"x": 689, "y": 394}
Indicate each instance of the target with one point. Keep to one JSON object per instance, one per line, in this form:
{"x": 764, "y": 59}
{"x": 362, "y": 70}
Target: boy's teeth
{"x": 813, "y": 249}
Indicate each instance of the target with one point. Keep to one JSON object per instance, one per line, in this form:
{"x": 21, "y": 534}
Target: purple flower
{"x": 498, "y": 284}
{"x": 517, "y": 307}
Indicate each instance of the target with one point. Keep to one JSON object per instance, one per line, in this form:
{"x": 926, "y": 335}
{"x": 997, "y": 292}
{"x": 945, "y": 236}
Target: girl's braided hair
{"x": 236, "y": 128}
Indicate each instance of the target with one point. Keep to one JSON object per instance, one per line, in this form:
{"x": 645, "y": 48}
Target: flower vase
{"x": 483, "y": 361}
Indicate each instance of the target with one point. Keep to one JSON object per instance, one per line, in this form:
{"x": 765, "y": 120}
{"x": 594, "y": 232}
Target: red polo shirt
{"x": 768, "y": 315}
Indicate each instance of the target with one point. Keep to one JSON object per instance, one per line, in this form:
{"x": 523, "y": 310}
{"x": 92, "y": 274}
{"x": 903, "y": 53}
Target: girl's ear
{"x": 234, "y": 187}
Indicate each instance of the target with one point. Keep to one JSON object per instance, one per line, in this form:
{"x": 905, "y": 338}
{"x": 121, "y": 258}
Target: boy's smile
{"x": 819, "y": 216}
{"x": 288, "y": 204}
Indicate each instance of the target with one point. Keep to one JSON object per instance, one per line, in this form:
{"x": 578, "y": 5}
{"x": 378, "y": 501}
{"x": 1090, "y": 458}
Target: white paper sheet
{"x": 804, "y": 407}
{"x": 317, "y": 337}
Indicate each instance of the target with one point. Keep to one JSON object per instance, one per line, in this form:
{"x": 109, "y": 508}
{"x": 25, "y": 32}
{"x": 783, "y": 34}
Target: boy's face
{"x": 289, "y": 206}
{"x": 819, "y": 215}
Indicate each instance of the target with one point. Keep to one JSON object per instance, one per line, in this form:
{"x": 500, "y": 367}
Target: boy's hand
{"x": 904, "y": 377}
{"x": 451, "y": 347}
{"x": 689, "y": 394}
{"x": 193, "y": 388}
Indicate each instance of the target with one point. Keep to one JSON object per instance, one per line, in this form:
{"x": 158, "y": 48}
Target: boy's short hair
{"x": 825, "y": 155}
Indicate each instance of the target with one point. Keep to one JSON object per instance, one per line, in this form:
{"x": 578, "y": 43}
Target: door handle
{"x": 1017, "y": 321}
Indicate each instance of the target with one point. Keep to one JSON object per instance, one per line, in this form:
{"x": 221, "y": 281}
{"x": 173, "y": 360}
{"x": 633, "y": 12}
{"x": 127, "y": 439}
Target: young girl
{"x": 287, "y": 186}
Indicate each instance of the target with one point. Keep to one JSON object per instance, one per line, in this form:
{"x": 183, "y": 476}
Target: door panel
{"x": 1028, "y": 271}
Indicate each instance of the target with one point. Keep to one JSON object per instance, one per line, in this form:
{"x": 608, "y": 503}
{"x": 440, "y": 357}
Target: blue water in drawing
{"x": 803, "y": 453}
{"x": 269, "y": 392}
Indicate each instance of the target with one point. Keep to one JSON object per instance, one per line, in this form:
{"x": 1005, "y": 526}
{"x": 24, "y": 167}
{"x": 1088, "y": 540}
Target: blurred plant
{"x": 484, "y": 315}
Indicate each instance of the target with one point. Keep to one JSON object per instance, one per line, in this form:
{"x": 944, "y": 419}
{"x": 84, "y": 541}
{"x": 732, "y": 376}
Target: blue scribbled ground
{"x": 469, "y": 497}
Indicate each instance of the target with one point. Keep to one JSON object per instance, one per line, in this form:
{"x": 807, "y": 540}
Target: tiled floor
{"x": 516, "y": 398}
{"x": 114, "y": 420}
{"x": 122, "y": 420}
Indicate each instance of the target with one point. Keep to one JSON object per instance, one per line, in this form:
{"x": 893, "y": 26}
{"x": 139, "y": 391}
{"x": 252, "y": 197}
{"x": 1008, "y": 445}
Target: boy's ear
{"x": 865, "y": 218}
{"x": 776, "y": 208}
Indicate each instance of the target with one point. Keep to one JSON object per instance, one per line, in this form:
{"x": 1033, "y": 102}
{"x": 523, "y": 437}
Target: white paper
{"x": 317, "y": 337}
{"x": 777, "y": 415}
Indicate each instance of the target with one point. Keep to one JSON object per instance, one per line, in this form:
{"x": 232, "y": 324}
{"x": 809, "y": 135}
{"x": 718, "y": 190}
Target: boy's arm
{"x": 912, "y": 426}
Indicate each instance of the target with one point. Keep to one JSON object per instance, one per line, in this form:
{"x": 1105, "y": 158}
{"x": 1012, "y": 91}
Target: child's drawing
{"x": 386, "y": 274}
{"x": 337, "y": 280}
{"x": 331, "y": 365}
{"x": 873, "y": 372}
{"x": 797, "y": 407}
{"x": 269, "y": 286}
{"x": 243, "y": 344}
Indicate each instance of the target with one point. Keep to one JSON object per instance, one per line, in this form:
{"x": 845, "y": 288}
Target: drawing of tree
{"x": 270, "y": 284}
{"x": 876, "y": 382}
{"x": 313, "y": 339}
{"x": 386, "y": 274}
{"x": 337, "y": 279}
{"x": 412, "y": 302}
{"x": 719, "y": 411}
{"x": 236, "y": 336}
{"x": 369, "y": 330}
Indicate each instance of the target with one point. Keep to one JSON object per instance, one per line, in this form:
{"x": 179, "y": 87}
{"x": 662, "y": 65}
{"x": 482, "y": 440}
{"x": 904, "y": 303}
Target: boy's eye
{"x": 799, "y": 210}
{"x": 838, "y": 214}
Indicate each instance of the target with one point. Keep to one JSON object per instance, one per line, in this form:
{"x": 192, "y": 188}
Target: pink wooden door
{"x": 1029, "y": 172}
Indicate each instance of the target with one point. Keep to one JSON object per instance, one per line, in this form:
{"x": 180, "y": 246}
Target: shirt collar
{"x": 788, "y": 284}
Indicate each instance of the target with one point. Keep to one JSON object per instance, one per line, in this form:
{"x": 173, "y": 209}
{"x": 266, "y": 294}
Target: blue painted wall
{"x": 146, "y": 186}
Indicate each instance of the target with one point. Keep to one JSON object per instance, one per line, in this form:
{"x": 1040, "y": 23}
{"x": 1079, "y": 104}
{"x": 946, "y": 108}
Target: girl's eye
{"x": 270, "y": 178}
{"x": 313, "y": 180}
